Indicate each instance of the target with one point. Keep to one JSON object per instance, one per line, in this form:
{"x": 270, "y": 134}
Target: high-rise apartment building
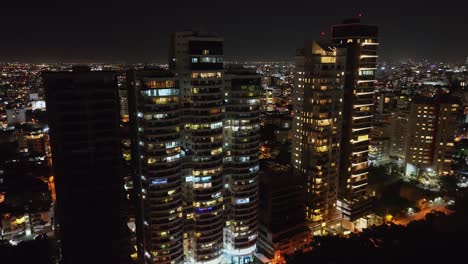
{"x": 318, "y": 96}
{"x": 241, "y": 148}
{"x": 360, "y": 42}
{"x": 83, "y": 112}
{"x": 123, "y": 97}
{"x": 157, "y": 164}
{"x": 431, "y": 133}
{"x": 379, "y": 148}
{"x": 399, "y": 127}
{"x": 197, "y": 59}
{"x": 195, "y": 166}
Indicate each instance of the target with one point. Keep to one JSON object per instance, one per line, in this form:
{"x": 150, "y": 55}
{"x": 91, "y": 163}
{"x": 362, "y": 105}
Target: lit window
{"x": 366, "y": 72}
{"x": 327, "y": 59}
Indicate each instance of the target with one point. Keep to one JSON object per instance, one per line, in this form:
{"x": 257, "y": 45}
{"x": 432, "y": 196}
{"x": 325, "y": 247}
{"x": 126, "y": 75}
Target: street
{"x": 422, "y": 214}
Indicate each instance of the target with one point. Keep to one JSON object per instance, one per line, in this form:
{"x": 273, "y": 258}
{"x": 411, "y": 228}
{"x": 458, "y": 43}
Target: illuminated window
{"x": 242, "y": 201}
{"x": 327, "y": 59}
{"x": 202, "y": 185}
{"x": 159, "y": 181}
{"x": 322, "y": 149}
{"x": 206, "y": 75}
{"x": 173, "y": 158}
{"x": 210, "y": 59}
{"x": 364, "y": 137}
{"x": 167, "y": 100}
{"x": 160, "y": 83}
{"x": 215, "y": 111}
{"x": 216, "y": 125}
{"x": 216, "y": 151}
{"x": 366, "y": 72}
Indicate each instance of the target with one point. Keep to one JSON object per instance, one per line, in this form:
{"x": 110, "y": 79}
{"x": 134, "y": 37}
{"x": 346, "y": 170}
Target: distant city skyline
{"x": 120, "y": 31}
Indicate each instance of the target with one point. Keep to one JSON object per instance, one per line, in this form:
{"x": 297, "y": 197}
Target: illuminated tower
{"x": 431, "y": 134}
{"x": 241, "y": 148}
{"x": 360, "y": 42}
{"x": 156, "y": 157}
{"x": 197, "y": 59}
{"x": 318, "y": 92}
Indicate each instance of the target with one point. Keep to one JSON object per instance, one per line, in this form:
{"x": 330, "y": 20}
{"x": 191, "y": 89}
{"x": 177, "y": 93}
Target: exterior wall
{"x": 156, "y": 157}
{"x": 399, "y": 137}
{"x": 282, "y": 223}
{"x": 276, "y": 246}
{"x": 83, "y": 111}
{"x": 431, "y": 135}
{"x": 360, "y": 42}
{"x": 421, "y": 128}
{"x": 241, "y": 147}
{"x": 317, "y": 127}
{"x": 197, "y": 59}
{"x": 444, "y": 139}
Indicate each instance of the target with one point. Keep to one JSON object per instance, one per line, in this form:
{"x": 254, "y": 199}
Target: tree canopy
{"x": 437, "y": 238}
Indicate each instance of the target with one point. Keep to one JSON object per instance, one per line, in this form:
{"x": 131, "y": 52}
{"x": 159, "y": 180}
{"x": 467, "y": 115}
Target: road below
{"x": 422, "y": 214}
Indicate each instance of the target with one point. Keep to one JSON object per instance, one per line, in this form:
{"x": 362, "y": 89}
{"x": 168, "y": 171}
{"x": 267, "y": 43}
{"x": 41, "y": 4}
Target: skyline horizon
{"x": 37, "y": 61}
{"x": 259, "y": 30}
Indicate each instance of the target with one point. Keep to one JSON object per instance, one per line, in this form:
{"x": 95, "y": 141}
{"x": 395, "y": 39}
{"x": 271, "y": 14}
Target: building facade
{"x": 157, "y": 164}
{"x": 83, "y": 112}
{"x": 197, "y": 59}
{"x": 195, "y": 155}
{"x": 282, "y": 223}
{"x": 399, "y": 126}
{"x": 360, "y": 42}
{"x": 318, "y": 99}
{"x": 431, "y": 135}
{"x": 241, "y": 148}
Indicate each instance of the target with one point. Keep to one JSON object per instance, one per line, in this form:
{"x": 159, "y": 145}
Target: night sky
{"x": 138, "y": 30}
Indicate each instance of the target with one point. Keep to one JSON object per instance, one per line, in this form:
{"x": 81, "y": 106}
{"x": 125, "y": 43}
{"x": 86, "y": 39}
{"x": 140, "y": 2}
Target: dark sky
{"x": 138, "y": 30}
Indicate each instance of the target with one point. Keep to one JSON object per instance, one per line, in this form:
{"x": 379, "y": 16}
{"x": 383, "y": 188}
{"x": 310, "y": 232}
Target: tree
{"x": 437, "y": 237}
